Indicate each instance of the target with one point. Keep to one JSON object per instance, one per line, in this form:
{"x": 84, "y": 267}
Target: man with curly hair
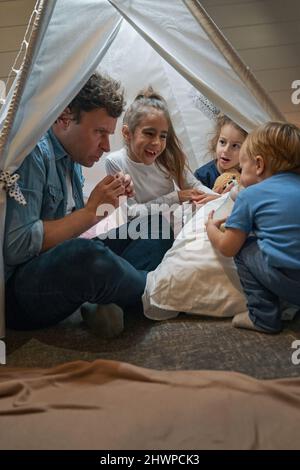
{"x": 50, "y": 272}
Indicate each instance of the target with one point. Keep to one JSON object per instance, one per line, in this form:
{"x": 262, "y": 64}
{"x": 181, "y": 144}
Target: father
{"x": 49, "y": 271}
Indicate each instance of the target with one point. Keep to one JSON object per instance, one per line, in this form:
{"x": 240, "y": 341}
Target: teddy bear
{"x": 225, "y": 180}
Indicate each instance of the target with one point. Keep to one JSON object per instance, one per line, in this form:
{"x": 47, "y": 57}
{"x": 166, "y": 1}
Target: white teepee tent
{"x": 170, "y": 45}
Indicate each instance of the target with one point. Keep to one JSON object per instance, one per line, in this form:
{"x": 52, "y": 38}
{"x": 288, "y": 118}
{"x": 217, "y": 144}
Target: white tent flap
{"x": 177, "y": 36}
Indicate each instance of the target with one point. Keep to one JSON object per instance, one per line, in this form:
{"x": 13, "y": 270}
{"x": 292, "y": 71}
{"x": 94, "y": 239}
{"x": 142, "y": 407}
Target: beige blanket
{"x": 114, "y": 405}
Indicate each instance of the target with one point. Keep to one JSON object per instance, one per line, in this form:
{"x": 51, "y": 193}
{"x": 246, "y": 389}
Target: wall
{"x": 14, "y": 17}
{"x": 266, "y": 34}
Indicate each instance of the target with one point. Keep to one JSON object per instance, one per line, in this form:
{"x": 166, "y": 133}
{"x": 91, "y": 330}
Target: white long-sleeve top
{"x": 152, "y": 185}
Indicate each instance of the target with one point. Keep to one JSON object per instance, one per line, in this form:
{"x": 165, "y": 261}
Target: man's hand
{"x": 128, "y": 184}
{"x": 107, "y": 191}
{"x": 104, "y": 197}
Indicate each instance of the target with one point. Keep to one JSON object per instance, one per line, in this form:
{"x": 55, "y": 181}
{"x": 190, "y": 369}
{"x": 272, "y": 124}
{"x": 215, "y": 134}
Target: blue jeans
{"x": 51, "y": 286}
{"x": 265, "y": 286}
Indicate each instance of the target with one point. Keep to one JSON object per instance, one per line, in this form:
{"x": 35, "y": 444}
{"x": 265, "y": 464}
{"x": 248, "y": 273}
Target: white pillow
{"x": 193, "y": 277}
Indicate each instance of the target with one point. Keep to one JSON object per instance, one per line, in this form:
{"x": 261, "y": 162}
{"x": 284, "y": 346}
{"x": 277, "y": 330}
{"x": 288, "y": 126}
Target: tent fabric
{"x": 121, "y": 406}
{"x": 36, "y": 28}
{"x": 177, "y": 36}
{"x": 232, "y": 57}
{"x": 63, "y": 60}
{"x": 62, "y": 64}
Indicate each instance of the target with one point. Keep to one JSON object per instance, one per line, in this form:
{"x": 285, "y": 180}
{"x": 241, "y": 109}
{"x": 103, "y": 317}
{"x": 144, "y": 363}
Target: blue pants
{"x": 51, "y": 286}
{"x": 265, "y": 286}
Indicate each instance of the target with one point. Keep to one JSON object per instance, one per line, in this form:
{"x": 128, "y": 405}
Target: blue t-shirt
{"x": 271, "y": 209}
{"x": 208, "y": 174}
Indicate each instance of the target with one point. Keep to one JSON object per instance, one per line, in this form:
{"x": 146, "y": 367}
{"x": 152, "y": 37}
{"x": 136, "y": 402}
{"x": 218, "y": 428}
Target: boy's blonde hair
{"x": 278, "y": 143}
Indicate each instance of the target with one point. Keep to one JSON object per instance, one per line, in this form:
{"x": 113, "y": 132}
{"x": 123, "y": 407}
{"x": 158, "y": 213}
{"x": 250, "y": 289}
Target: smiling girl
{"x": 153, "y": 155}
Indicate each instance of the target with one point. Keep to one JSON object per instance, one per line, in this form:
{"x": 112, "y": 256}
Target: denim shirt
{"x": 43, "y": 184}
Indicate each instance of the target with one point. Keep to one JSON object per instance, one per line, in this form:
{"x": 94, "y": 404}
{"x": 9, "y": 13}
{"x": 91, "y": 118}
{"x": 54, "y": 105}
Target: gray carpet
{"x": 188, "y": 342}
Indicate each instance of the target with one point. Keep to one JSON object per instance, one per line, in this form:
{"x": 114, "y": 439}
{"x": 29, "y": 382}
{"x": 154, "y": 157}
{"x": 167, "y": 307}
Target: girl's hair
{"x": 172, "y": 159}
{"x": 278, "y": 143}
{"x": 222, "y": 120}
